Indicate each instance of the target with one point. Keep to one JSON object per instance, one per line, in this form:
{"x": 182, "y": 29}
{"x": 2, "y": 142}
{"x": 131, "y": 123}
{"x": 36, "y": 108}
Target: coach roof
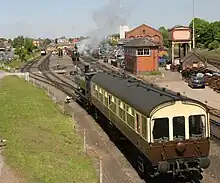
{"x": 142, "y": 97}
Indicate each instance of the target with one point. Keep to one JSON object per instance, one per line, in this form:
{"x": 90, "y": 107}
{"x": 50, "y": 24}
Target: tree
{"x": 213, "y": 45}
{"x": 21, "y": 52}
{"x": 18, "y": 41}
{"x": 164, "y": 32}
{"x": 46, "y": 41}
{"x": 23, "y": 47}
{"x": 113, "y": 42}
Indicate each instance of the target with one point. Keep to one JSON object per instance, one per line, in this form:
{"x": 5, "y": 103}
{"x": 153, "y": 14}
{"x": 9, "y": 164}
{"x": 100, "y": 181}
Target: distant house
{"x": 2, "y": 47}
{"x": 36, "y": 43}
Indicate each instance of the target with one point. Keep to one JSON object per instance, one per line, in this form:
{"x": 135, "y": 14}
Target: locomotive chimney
{"x": 86, "y": 68}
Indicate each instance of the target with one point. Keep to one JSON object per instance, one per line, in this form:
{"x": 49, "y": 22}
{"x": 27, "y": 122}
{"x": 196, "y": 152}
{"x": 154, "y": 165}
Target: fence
{"x": 65, "y": 109}
{"x": 91, "y": 146}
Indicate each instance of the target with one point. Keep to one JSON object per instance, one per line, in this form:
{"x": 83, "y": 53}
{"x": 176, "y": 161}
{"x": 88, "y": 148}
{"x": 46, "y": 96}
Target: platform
{"x": 173, "y": 81}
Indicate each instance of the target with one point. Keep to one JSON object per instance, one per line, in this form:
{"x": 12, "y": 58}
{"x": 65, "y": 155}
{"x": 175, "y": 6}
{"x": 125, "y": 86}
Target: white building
{"x": 123, "y": 29}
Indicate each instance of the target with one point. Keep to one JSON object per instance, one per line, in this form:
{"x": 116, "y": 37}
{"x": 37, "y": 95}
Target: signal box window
{"x": 161, "y": 129}
{"x": 197, "y": 126}
{"x": 140, "y": 52}
{"x": 178, "y": 128}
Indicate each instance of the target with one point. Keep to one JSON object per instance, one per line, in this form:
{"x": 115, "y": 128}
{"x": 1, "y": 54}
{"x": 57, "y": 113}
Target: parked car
{"x": 196, "y": 81}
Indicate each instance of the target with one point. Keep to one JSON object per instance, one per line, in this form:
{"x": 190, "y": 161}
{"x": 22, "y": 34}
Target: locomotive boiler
{"x": 170, "y": 131}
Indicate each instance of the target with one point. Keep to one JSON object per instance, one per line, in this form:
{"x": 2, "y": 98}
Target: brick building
{"x": 141, "y": 55}
{"x": 145, "y": 31}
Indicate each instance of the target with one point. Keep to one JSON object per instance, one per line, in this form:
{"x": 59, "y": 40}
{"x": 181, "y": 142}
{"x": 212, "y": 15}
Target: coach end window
{"x": 197, "y": 126}
{"x": 160, "y": 129}
{"x": 178, "y": 128}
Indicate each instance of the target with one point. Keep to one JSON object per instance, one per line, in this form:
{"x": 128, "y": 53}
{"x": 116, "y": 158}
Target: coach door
{"x": 138, "y": 126}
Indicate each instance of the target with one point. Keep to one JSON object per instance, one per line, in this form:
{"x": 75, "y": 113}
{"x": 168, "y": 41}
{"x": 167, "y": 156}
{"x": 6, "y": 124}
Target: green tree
{"x": 213, "y": 45}
{"x": 21, "y": 52}
{"x": 23, "y": 47}
{"x": 113, "y": 42}
{"x": 47, "y": 41}
{"x": 202, "y": 32}
{"x": 18, "y": 41}
{"x": 164, "y": 32}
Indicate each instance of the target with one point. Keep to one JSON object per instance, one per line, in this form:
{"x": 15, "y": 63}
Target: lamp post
{"x": 194, "y": 43}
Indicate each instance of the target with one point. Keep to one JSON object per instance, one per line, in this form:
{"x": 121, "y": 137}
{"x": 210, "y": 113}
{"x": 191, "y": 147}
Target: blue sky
{"x": 55, "y": 18}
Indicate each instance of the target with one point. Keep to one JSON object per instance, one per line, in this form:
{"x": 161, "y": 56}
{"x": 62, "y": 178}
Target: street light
{"x": 194, "y": 43}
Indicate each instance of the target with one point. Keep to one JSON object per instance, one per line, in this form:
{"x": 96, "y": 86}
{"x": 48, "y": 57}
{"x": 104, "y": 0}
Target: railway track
{"x": 60, "y": 83}
{"x": 63, "y": 84}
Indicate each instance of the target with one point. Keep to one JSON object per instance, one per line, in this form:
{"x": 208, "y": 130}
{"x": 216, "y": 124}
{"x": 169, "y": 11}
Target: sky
{"x": 71, "y": 18}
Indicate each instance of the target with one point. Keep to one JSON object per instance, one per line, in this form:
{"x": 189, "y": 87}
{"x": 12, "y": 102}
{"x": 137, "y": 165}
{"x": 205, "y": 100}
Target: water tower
{"x": 180, "y": 42}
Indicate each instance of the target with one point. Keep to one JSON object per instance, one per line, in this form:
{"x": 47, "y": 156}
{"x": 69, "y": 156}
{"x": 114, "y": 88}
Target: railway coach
{"x": 170, "y": 131}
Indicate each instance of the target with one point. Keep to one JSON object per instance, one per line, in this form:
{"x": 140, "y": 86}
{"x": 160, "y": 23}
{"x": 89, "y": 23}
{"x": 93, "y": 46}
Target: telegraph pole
{"x": 194, "y": 43}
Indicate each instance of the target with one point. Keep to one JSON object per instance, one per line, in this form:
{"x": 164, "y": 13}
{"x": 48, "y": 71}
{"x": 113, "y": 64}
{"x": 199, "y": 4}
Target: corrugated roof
{"x": 141, "y": 42}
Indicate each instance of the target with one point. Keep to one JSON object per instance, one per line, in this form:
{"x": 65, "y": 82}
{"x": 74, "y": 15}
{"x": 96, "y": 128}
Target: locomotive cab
{"x": 83, "y": 85}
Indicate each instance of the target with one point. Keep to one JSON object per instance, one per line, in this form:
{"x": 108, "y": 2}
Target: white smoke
{"x": 107, "y": 20}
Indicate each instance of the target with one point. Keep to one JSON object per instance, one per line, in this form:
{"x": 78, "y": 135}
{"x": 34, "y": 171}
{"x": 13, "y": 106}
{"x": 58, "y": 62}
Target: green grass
{"x": 16, "y": 63}
{"x": 3, "y": 69}
{"x": 41, "y": 144}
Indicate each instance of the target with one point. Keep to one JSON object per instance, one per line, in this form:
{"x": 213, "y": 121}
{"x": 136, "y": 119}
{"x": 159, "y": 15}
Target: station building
{"x": 141, "y": 55}
{"x": 145, "y": 31}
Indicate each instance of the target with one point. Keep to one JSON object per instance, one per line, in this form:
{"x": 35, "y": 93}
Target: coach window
{"x": 197, "y": 126}
{"x": 161, "y": 129}
{"x": 130, "y": 117}
{"x": 106, "y": 98}
{"x": 144, "y": 127}
{"x": 121, "y": 110}
{"x": 113, "y": 104}
{"x": 178, "y": 127}
{"x": 100, "y": 95}
{"x": 96, "y": 91}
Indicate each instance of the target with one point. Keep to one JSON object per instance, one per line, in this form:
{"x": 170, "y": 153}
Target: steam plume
{"x": 107, "y": 21}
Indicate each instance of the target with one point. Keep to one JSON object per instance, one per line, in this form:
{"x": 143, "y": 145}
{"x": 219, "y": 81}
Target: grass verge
{"x": 210, "y": 55}
{"x": 16, "y": 63}
{"x": 41, "y": 144}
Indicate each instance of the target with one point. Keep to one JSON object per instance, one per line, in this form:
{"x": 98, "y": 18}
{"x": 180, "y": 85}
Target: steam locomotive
{"x": 74, "y": 54}
{"x": 170, "y": 131}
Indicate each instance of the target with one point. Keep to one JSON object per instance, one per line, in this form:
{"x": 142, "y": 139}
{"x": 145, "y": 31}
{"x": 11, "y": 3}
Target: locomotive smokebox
{"x": 86, "y": 67}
